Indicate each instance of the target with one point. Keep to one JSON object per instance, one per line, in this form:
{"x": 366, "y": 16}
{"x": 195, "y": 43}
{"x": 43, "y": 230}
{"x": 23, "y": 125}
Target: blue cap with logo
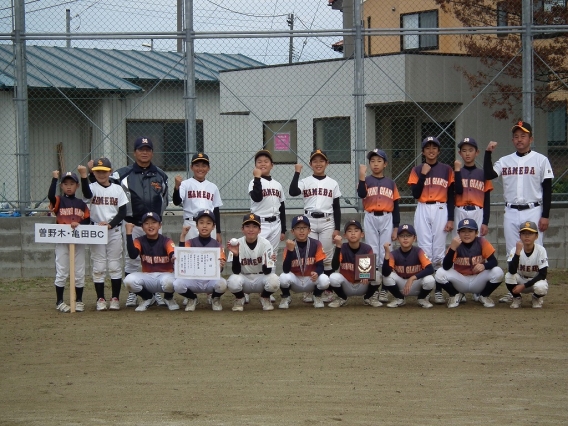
{"x": 406, "y": 228}
{"x": 468, "y": 141}
{"x": 467, "y": 224}
{"x": 143, "y": 142}
{"x": 430, "y": 139}
{"x": 378, "y": 152}
{"x": 207, "y": 213}
{"x": 300, "y": 219}
{"x": 354, "y": 223}
{"x": 151, "y": 215}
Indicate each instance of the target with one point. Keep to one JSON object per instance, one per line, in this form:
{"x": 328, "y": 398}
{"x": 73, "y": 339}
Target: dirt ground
{"x": 354, "y": 365}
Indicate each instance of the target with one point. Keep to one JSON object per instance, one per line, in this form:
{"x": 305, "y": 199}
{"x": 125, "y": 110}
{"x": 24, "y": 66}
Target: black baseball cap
{"x": 468, "y": 141}
{"x": 431, "y": 139}
{"x": 524, "y": 126}
{"x": 70, "y": 175}
{"x": 264, "y": 152}
{"x": 199, "y": 157}
{"x": 151, "y": 215}
{"x": 353, "y": 222}
{"x": 143, "y": 142}
{"x": 251, "y": 218}
{"x": 102, "y": 164}
{"x": 318, "y": 152}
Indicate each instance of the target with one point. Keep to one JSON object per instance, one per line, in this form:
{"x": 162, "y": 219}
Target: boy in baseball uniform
{"x": 157, "y": 257}
{"x": 470, "y": 266}
{"x": 407, "y": 271}
{"x": 527, "y": 268}
{"x": 432, "y": 185}
{"x": 252, "y": 265}
{"x": 380, "y": 201}
{"x": 343, "y": 282}
{"x": 108, "y": 208}
{"x": 303, "y": 265}
{"x": 189, "y": 288}
{"x": 70, "y": 210}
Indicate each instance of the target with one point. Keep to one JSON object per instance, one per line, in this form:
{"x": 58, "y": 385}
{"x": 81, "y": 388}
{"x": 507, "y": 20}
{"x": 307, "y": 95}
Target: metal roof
{"x": 115, "y": 70}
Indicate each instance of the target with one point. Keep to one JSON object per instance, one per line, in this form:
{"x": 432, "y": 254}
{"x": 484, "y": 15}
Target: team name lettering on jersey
{"x": 309, "y": 261}
{"x": 467, "y": 261}
{"x": 436, "y": 181}
{"x": 528, "y": 268}
{"x": 376, "y": 190}
{"x": 347, "y": 267}
{"x": 312, "y": 192}
{"x": 200, "y": 194}
{"x": 508, "y": 171}
{"x": 153, "y": 260}
{"x": 254, "y": 262}
{"x": 474, "y": 183}
{"x": 408, "y": 270}
{"x": 71, "y": 211}
{"x": 268, "y": 192}
{"x": 104, "y": 201}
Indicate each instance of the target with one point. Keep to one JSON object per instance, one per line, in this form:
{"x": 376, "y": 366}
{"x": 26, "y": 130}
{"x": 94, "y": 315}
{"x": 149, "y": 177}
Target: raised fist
{"x": 298, "y": 168}
{"x": 82, "y": 170}
{"x": 55, "y": 174}
{"x": 457, "y": 165}
{"x": 257, "y": 172}
{"x": 362, "y": 171}
{"x": 177, "y": 181}
{"x": 338, "y": 240}
{"x": 426, "y": 168}
{"x": 290, "y": 245}
{"x": 491, "y": 146}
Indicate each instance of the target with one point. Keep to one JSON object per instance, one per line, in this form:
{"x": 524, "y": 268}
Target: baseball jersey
{"x": 204, "y": 242}
{"x": 407, "y": 264}
{"x": 70, "y": 209}
{"x": 272, "y": 197}
{"x": 106, "y": 201}
{"x": 530, "y": 265}
{"x": 438, "y": 179}
{"x": 318, "y": 194}
{"x": 197, "y": 196}
{"x": 347, "y": 259}
{"x": 467, "y": 256}
{"x": 474, "y": 187}
{"x": 523, "y": 176}
{"x": 307, "y": 260}
{"x": 155, "y": 256}
{"x": 381, "y": 194}
{"x": 252, "y": 260}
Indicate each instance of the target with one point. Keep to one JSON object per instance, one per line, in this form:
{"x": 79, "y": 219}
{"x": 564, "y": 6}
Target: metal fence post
{"x": 528, "y": 63}
{"x": 189, "y": 98}
{"x": 359, "y": 94}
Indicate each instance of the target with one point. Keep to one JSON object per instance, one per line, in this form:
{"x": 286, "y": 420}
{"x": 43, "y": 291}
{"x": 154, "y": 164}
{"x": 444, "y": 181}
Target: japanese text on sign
{"x": 198, "y": 263}
{"x": 52, "y": 233}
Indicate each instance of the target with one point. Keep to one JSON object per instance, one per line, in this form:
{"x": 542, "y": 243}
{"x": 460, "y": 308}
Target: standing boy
{"x": 432, "y": 185}
{"x": 527, "y": 268}
{"x": 72, "y": 211}
{"x": 251, "y": 270}
{"x": 407, "y": 271}
{"x": 156, "y": 254}
{"x": 343, "y": 283}
{"x": 303, "y": 265}
{"x": 380, "y": 201}
{"x": 108, "y": 208}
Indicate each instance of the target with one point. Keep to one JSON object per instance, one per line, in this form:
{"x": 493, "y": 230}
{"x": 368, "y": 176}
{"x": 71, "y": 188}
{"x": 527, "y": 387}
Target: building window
{"x": 427, "y": 19}
{"x": 281, "y": 139}
{"x": 557, "y": 127}
{"x": 447, "y": 140}
{"x": 333, "y": 135}
{"x": 169, "y": 141}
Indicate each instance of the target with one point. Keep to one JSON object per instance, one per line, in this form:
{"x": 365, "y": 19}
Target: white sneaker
{"x": 373, "y": 301}
{"x": 537, "y": 302}
{"x": 266, "y": 304}
{"x": 159, "y": 299}
{"x": 454, "y": 301}
{"x": 114, "y": 304}
{"x": 285, "y": 302}
{"x": 475, "y": 297}
{"x": 63, "y": 307}
{"x": 425, "y": 303}
{"x": 172, "y": 304}
{"x": 272, "y": 299}
{"x": 191, "y": 304}
{"x": 318, "y": 302}
{"x": 439, "y": 298}
{"x": 486, "y": 301}
{"x": 339, "y": 302}
{"x": 396, "y": 303}
{"x": 517, "y": 303}
{"x": 308, "y": 298}
{"x": 216, "y": 304}
{"x": 327, "y": 296}
{"x": 463, "y": 299}
{"x": 383, "y": 296}
{"x": 247, "y": 298}
{"x": 238, "y": 305}
{"x": 506, "y": 298}
{"x": 210, "y": 299}
{"x": 184, "y": 301}
{"x": 145, "y": 304}
{"x": 101, "y": 304}
{"x": 79, "y": 306}
{"x": 132, "y": 300}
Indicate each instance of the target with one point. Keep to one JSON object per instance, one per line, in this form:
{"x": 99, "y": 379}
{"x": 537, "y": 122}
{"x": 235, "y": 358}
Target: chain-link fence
{"x": 82, "y": 79}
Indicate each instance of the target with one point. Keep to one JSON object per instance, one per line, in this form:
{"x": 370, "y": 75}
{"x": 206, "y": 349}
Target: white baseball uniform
{"x": 268, "y": 209}
{"x": 528, "y": 269}
{"x": 522, "y": 190}
{"x": 197, "y": 196}
{"x": 104, "y": 206}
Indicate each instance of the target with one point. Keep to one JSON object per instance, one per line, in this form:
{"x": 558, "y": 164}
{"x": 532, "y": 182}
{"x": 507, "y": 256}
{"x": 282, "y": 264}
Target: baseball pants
{"x": 469, "y": 283}
{"x": 62, "y": 265}
{"x": 321, "y": 229}
{"x": 512, "y": 220}
{"x": 193, "y": 232}
{"x": 181, "y": 285}
{"x": 350, "y": 289}
{"x": 303, "y": 284}
{"x": 271, "y": 231}
{"x": 253, "y": 283}
{"x": 460, "y": 213}
{"x": 378, "y": 230}
{"x": 154, "y": 282}
{"x": 429, "y": 223}
{"x": 107, "y": 254}
{"x": 426, "y": 283}
{"x": 539, "y": 288}
{"x": 133, "y": 265}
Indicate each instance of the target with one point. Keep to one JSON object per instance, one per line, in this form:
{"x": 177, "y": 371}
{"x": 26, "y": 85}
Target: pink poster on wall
{"x": 282, "y": 142}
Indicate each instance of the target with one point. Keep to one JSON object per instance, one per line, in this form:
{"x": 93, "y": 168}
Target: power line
{"x": 247, "y": 14}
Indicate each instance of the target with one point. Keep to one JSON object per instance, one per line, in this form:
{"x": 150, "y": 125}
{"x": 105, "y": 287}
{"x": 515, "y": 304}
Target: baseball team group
{"x": 321, "y": 256}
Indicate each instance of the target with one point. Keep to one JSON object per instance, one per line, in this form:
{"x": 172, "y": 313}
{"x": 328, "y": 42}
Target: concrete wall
{"x": 20, "y": 257}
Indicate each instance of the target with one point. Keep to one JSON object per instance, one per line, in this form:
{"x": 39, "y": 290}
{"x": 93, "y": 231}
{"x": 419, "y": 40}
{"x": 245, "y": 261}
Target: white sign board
{"x": 52, "y": 233}
{"x": 198, "y": 263}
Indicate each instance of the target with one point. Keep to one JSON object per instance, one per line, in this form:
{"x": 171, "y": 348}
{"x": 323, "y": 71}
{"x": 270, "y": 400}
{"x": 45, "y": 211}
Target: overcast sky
{"x": 209, "y": 15}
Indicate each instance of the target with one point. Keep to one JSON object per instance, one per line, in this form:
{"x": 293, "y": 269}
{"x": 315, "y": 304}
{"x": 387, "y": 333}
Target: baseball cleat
{"x": 63, "y": 307}
{"x": 272, "y": 299}
{"x": 159, "y": 299}
{"x": 247, "y": 298}
{"x": 425, "y": 303}
{"x": 209, "y": 299}
{"x": 373, "y": 301}
{"x": 318, "y": 302}
{"x": 463, "y": 299}
{"x": 383, "y": 296}
{"x": 145, "y": 304}
{"x": 506, "y": 298}
{"x": 238, "y": 305}
{"x": 79, "y": 306}
{"x": 101, "y": 304}
{"x": 396, "y": 303}
{"x": 216, "y": 304}
{"x": 475, "y": 297}
{"x": 266, "y": 304}
{"x": 172, "y": 304}
{"x": 486, "y": 301}
{"x": 114, "y": 304}
{"x": 453, "y": 301}
{"x": 285, "y": 302}
{"x": 517, "y": 303}
{"x": 308, "y": 298}
{"x": 537, "y": 302}
{"x": 339, "y": 302}
{"x": 439, "y": 298}
{"x": 327, "y": 296}
{"x": 191, "y": 304}
{"x": 132, "y": 300}
{"x": 184, "y": 301}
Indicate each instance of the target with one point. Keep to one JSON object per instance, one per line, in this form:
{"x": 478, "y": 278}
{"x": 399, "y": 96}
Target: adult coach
{"x": 527, "y": 185}
{"x": 146, "y": 187}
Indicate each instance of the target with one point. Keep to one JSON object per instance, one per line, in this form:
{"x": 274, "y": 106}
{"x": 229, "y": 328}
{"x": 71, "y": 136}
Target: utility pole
{"x": 290, "y": 22}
